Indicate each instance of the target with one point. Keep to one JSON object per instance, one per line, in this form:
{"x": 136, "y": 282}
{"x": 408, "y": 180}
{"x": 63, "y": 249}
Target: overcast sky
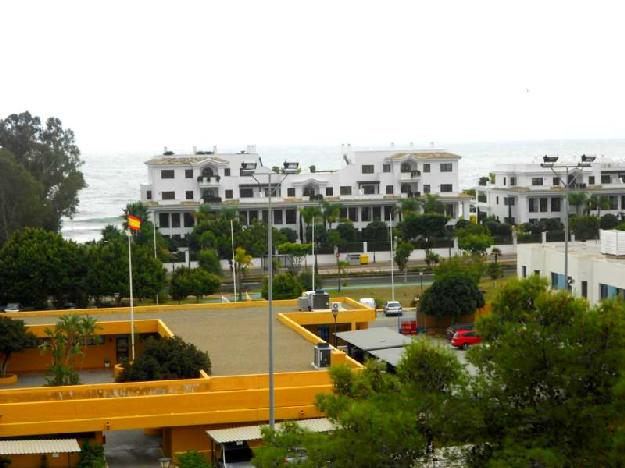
{"x": 138, "y": 75}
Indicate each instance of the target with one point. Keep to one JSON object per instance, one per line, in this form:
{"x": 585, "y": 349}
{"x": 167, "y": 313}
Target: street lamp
{"x": 550, "y": 162}
{"x": 288, "y": 168}
{"x": 335, "y": 312}
{"x": 390, "y": 235}
{"x": 165, "y": 462}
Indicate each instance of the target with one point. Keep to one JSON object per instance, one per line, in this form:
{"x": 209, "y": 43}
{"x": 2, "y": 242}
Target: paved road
{"x": 125, "y": 449}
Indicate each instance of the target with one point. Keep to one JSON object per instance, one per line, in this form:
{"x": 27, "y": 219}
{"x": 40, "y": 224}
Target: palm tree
{"x": 432, "y": 204}
{"x": 598, "y": 202}
{"x": 330, "y": 212}
{"x": 307, "y": 214}
{"x": 409, "y": 206}
{"x": 577, "y": 199}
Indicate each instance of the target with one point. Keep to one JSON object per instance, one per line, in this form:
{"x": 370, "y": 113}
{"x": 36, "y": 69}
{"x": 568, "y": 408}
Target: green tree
{"x": 49, "y": 153}
{"x": 409, "y": 206}
{"x": 307, "y": 214}
{"x": 608, "y": 221}
{"x": 192, "y": 459}
{"x": 209, "y": 260}
{"x": 431, "y": 204}
{"x": 330, "y": 212}
{"x": 193, "y": 282}
{"x": 452, "y": 296}
{"x": 375, "y": 231}
{"x": 297, "y": 252}
{"x": 402, "y": 254}
{"x": 471, "y": 266}
{"x": 21, "y": 199}
{"x": 474, "y": 238}
{"x": 66, "y": 342}
{"x": 422, "y": 226}
{"x": 598, "y": 203}
{"x": 242, "y": 261}
{"x": 13, "y": 338}
{"x": 431, "y": 258}
{"x": 285, "y": 286}
{"x": 585, "y": 227}
{"x": 166, "y": 359}
{"x": 347, "y": 231}
{"x": 91, "y": 456}
{"x": 578, "y": 200}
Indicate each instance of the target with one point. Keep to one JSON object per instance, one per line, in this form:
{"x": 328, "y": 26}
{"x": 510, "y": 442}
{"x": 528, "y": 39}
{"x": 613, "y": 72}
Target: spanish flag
{"x": 134, "y": 223}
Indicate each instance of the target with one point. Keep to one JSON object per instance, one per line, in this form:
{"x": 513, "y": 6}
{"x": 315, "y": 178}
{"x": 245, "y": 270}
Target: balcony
{"x": 211, "y": 199}
{"x": 410, "y": 175}
{"x": 208, "y": 181}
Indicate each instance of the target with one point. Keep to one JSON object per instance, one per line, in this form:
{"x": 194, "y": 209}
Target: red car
{"x": 463, "y": 338}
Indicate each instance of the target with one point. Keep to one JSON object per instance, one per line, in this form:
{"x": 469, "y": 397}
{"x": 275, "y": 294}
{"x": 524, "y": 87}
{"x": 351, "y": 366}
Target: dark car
{"x": 452, "y": 329}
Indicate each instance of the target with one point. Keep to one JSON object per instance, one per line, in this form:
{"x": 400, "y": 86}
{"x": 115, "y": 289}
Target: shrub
{"x": 585, "y": 227}
{"x": 192, "y": 459}
{"x": 198, "y": 282}
{"x": 167, "y": 359}
{"x": 91, "y": 456}
{"x": 209, "y": 261}
{"x": 305, "y": 279}
{"x": 608, "y": 221}
{"x": 285, "y": 286}
{"x": 452, "y": 295}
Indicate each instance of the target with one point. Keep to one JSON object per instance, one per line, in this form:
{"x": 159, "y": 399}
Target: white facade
{"x": 528, "y": 192}
{"x": 368, "y": 187}
{"x": 593, "y": 275}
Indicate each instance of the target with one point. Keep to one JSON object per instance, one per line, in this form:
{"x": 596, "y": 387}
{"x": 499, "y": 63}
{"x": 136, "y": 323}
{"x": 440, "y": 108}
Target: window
{"x": 253, "y": 216}
{"x": 346, "y": 190}
{"x": 368, "y": 189}
{"x": 532, "y": 205}
{"x": 504, "y": 181}
{"x": 277, "y": 217}
{"x": 290, "y": 192}
{"x": 148, "y": 194}
{"x": 188, "y": 173}
{"x": 388, "y": 213}
{"x": 606, "y": 179}
{"x": 591, "y": 180}
{"x": 175, "y": 220}
{"x": 377, "y": 213}
{"x": 227, "y": 172}
{"x": 367, "y": 168}
{"x": 543, "y": 205}
{"x": 556, "y": 181}
{"x": 329, "y": 191}
{"x": 246, "y": 192}
{"x": 537, "y": 180}
{"x": 389, "y": 190}
{"x": 187, "y": 218}
{"x": 512, "y": 181}
{"x": 426, "y": 189}
{"x": 343, "y": 214}
{"x": 386, "y": 168}
{"x": 584, "y": 288}
{"x": 168, "y": 196}
{"x": 188, "y": 195}
{"x": 229, "y": 193}
{"x": 163, "y": 220}
{"x": 524, "y": 271}
{"x": 555, "y": 204}
{"x": 508, "y": 201}
{"x": 290, "y": 216}
{"x": 426, "y": 168}
{"x": 447, "y": 188}
{"x": 603, "y": 291}
{"x": 365, "y": 213}
{"x": 612, "y": 202}
{"x": 167, "y": 174}
{"x": 353, "y": 214}
{"x": 497, "y": 200}
{"x": 447, "y": 167}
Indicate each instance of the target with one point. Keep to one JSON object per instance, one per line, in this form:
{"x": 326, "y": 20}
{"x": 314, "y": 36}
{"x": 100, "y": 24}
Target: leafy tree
{"x": 409, "y": 206}
{"x": 432, "y": 204}
{"x": 192, "y": 459}
{"x": 307, "y": 214}
{"x": 166, "y": 359}
{"x": 474, "y": 238}
{"x": 375, "y": 231}
{"x": 288, "y": 234}
{"x": 242, "y": 261}
{"x": 50, "y": 155}
{"x": 13, "y": 338}
{"x": 425, "y": 225}
{"x": 193, "y": 282}
{"x": 21, "y": 199}
{"x": 431, "y": 257}
{"x": 578, "y": 200}
{"x": 305, "y": 279}
{"x": 330, "y": 212}
{"x": 585, "y": 227}
{"x": 297, "y": 252}
{"x": 402, "y": 254}
{"x": 608, "y": 221}
{"x": 285, "y": 286}
{"x": 209, "y": 261}
{"x": 598, "y": 203}
{"x": 495, "y": 271}
{"x": 470, "y": 266}
{"x": 347, "y": 231}
{"x": 91, "y": 456}
{"x": 66, "y": 342}
{"x": 452, "y": 296}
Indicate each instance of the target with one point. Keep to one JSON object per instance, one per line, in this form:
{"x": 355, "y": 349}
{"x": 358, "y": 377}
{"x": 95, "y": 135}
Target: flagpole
{"x": 132, "y": 307}
{"x": 234, "y": 268}
{"x": 154, "y": 241}
{"x": 313, "y": 254}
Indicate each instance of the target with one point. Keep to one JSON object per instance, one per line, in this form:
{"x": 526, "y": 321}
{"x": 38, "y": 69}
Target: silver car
{"x": 392, "y": 308}
{"x": 12, "y": 307}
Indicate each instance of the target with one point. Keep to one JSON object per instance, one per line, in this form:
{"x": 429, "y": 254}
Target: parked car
{"x": 464, "y": 338}
{"x": 13, "y": 307}
{"x": 368, "y": 301}
{"x": 235, "y": 454}
{"x": 392, "y": 308}
{"x": 452, "y": 329}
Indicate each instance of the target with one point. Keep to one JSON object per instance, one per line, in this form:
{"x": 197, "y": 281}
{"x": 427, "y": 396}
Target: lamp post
{"x": 335, "y": 312}
{"x": 165, "y": 462}
{"x": 550, "y": 162}
{"x": 421, "y": 280}
{"x": 234, "y": 265}
{"x": 390, "y": 235}
{"x": 250, "y": 169}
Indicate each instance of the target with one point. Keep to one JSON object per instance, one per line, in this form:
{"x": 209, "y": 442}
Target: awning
{"x": 36, "y": 447}
{"x": 233, "y": 434}
{"x": 391, "y": 356}
{"x": 374, "y": 338}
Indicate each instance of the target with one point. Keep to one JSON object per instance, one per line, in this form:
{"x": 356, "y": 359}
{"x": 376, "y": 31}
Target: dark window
{"x": 168, "y": 196}
{"x": 388, "y": 213}
{"x": 508, "y": 201}
{"x": 291, "y": 217}
{"x": 524, "y": 271}
{"x": 329, "y": 191}
{"x": 613, "y": 202}
{"x": 532, "y": 205}
{"x": 386, "y": 168}
{"x": 353, "y": 214}
{"x": 365, "y": 213}
{"x": 591, "y": 180}
{"x": 277, "y": 217}
{"x": 148, "y": 194}
{"x": 603, "y": 291}
{"x": 512, "y": 181}
{"x": 389, "y": 190}
{"x": 246, "y": 192}
{"x": 175, "y": 220}
{"x": 537, "y": 180}
{"x": 265, "y": 216}
{"x": 163, "y": 220}
{"x": 377, "y": 213}
{"x": 290, "y": 192}
{"x": 188, "y": 173}
{"x": 504, "y": 181}
{"x": 426, "y": 168}
{"x": 229, "y": 193}
{"x": 227, "y": 172}
{"x": 555, "y": 204}
{"x": 606, "y": 179}
{"x": 447, "y": 188}
{"x": 253, "y": 216}
{"x": 447, "y": 167}
{"x": 167, "y": 174}
{"x": 622, "y": 202}
{"x": 584, "y": 288}
{"x": 556, "y": 181}
{"x": 368, "y": 189}
{"x": 426, "y": 189}
{"x": 543, "y": 205}
{"x": 346, "y": 190}
{"x": 367, "y": 168}
{"x": 497, "y": 199}
{"x": 189, "y": 194}
{"x": 187, "y": 218}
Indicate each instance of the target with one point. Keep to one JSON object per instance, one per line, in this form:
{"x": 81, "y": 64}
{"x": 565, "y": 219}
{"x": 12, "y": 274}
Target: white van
{"x": 367, "y": 301}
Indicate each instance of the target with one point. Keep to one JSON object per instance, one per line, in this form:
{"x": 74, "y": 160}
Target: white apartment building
{"x": 369, "y": 186}
{"x": 522, "y": 193}
{"x": 596, "y": 270}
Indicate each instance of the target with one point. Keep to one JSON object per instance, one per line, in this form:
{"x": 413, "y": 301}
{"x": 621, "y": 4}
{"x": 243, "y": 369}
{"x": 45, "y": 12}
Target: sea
{"x": 113, "y": 179}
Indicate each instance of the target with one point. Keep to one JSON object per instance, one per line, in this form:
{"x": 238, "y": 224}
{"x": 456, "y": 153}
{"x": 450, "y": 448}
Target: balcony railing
{"x": 209, "y": 181}
{"x": 211, "y": 199}
{"x": 410, "y": 175}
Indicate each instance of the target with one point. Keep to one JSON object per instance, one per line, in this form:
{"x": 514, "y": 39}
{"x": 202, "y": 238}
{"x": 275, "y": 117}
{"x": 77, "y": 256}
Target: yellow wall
{"x": 63, "y": 460}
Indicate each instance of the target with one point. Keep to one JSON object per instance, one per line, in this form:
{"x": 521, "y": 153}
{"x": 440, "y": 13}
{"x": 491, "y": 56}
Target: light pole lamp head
{"x": 290, "y": 167}
{"x": 550, "y": 159}
{"x": 588, "y": 159}
{"x": 335, "y": 310}
{"x": 248, "y": 168}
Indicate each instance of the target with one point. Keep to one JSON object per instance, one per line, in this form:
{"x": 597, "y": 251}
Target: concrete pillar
{"x": 572, "y": 237}
{"x": 544, "y": 237}
{"x": 456, "y": 248}
{"x": 365, "y": 246}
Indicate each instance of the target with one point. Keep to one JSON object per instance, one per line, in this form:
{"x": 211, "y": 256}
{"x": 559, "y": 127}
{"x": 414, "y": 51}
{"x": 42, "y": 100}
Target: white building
{"x": 522, "y": 193}
{"x": 595, "y": 271}
{"x": 368, "y": 187}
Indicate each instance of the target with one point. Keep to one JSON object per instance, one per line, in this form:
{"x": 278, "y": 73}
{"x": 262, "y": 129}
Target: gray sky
{"x": 137, "y": 75}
